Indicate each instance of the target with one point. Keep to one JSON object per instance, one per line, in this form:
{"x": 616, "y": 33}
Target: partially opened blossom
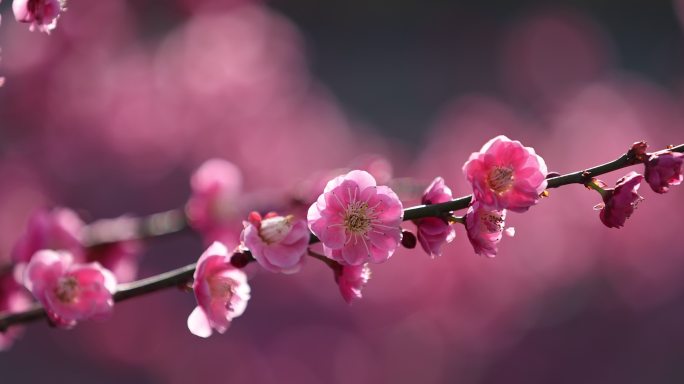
{"x": 56, "y": 229}
{"x": 13, "y": 298}
{"x": 356, "y": 220}
{"x": 351, "y": 279}
{"x": 221, "y": 291}
{"x": 69, "y": 292}
{"x": 42, "y": 14}
{"x": 278, "y": 243}
{"x": 485, "y": 228}
{"x": 663, "y": 170}
{"x": 619, "y": 203}
{"x": 212, "y": 207}
{"x": 506, "y": 175}
{"x": 433, "y": 232}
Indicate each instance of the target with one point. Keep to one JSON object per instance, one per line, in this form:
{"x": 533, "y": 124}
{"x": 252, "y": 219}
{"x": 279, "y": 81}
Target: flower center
{"x": 500, "y": 179}
{"x": 221, "y": 288}
{"x": 67, "y": 289}
{"x": 492, "y": 222}
{"x": 357, "y": 218}
{"x": 274, "y": 229}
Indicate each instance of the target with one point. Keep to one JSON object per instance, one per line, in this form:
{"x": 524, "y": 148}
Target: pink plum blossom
{"x": 13, "y": 298}
{"x": 485, "y": 228}
{"x": 221, "y": 291}
{"x": 351, "y": 279}
{"x": 506, "y": 175}
{"x": 278, "y": 243}
{"x": 56, "y": 229}
{"x": 356, "y": 220}
{"x": 42, "y": 14}
{"x": 211, "y": 209}
{"x": 663, "y": 170}
{"x": 69, "y": 292}
{"x": 619, "y": 203}
{"x": 433, "y": 232}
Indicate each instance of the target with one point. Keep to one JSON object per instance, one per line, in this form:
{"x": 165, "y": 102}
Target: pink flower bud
{"x": 42, "y": 14}
{"x": 433, "y": 232}
{"x": 619, "y": 203}
{"x": 69, "y": 292}
{"x": 663, "y": 170}
{"x": 351, "y": 279}
{"x": 506, "y": 175}
{"x": 278, "y": 243}
{"x": 221, "y": 291}
{"x": 485, "y": 228}
{"x": 356, "y": 220}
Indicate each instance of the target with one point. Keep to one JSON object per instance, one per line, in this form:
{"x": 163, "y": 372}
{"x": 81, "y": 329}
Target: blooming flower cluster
{"x": 662, "y": 170}
{"x": 505, "y": 175}
{"x": 357, "y": 222}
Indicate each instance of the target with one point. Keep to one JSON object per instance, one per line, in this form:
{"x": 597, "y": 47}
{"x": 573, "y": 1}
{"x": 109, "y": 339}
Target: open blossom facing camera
{"x": 351, "y": 279}
{"x": 485, "y": 228}
{"x": 619, "y": 203}
{"x": 42, "y": 14}
{"x": 433, "y": 232}
{"x": 278, "y": 243}
{"x": 506, "y": 175}
{"x": 211, "y": 210}
{"x": 69, "y": 292}
{"x": 663, "y": 170}
{"x": 221, "y": 291}
{"x": 356, "y": 220}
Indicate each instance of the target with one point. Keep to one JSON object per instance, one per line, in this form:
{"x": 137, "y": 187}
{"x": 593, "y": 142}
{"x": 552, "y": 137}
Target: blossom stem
{"x": 174, "y": 221}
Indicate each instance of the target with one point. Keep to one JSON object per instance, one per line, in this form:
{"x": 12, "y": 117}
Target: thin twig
{"x": 182, "y": 276}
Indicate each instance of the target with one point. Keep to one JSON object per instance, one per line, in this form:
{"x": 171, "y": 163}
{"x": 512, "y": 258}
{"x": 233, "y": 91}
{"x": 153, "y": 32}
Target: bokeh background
{"x": 112, "y": 112}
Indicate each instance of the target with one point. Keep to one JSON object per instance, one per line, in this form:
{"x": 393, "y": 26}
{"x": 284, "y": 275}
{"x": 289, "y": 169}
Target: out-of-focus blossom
{"x": 663, "y": 170}
{"x": 13, "y": 298}
{"x": 619, "y": 203}
{"x": 433, "y": 232}
{"x": 278, "y": 243}
{"x": 506, "y": 175}
{"x": 68, "y": 291}
{"x": 351, "y": 279}
{"x": 62, "y": 229}
{"x": 221, "y": 291}
{"x": 56, "y": 229}
{"x": 42, "y": 14}
{"x": 212, "y": 208}
{"x": 485, "y": 228}
{"x": 121, "y": 258}
{"x": 356, "y": 220}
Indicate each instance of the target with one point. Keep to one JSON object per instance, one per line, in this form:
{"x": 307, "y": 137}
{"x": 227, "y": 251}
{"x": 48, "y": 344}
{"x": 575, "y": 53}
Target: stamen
{"x": 500, "y": 179}
{"x": 67, "y": 289}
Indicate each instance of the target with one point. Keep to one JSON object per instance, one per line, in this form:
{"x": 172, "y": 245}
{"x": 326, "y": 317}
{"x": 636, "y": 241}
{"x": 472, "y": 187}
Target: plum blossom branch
{"x": 173, "y": 221}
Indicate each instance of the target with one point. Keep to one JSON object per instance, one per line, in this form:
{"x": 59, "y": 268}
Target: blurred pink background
{"x": 112, "y": 112}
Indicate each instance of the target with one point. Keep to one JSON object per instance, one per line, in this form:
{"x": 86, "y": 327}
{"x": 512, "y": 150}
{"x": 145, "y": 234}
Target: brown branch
{"x": 182, "y": 276}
